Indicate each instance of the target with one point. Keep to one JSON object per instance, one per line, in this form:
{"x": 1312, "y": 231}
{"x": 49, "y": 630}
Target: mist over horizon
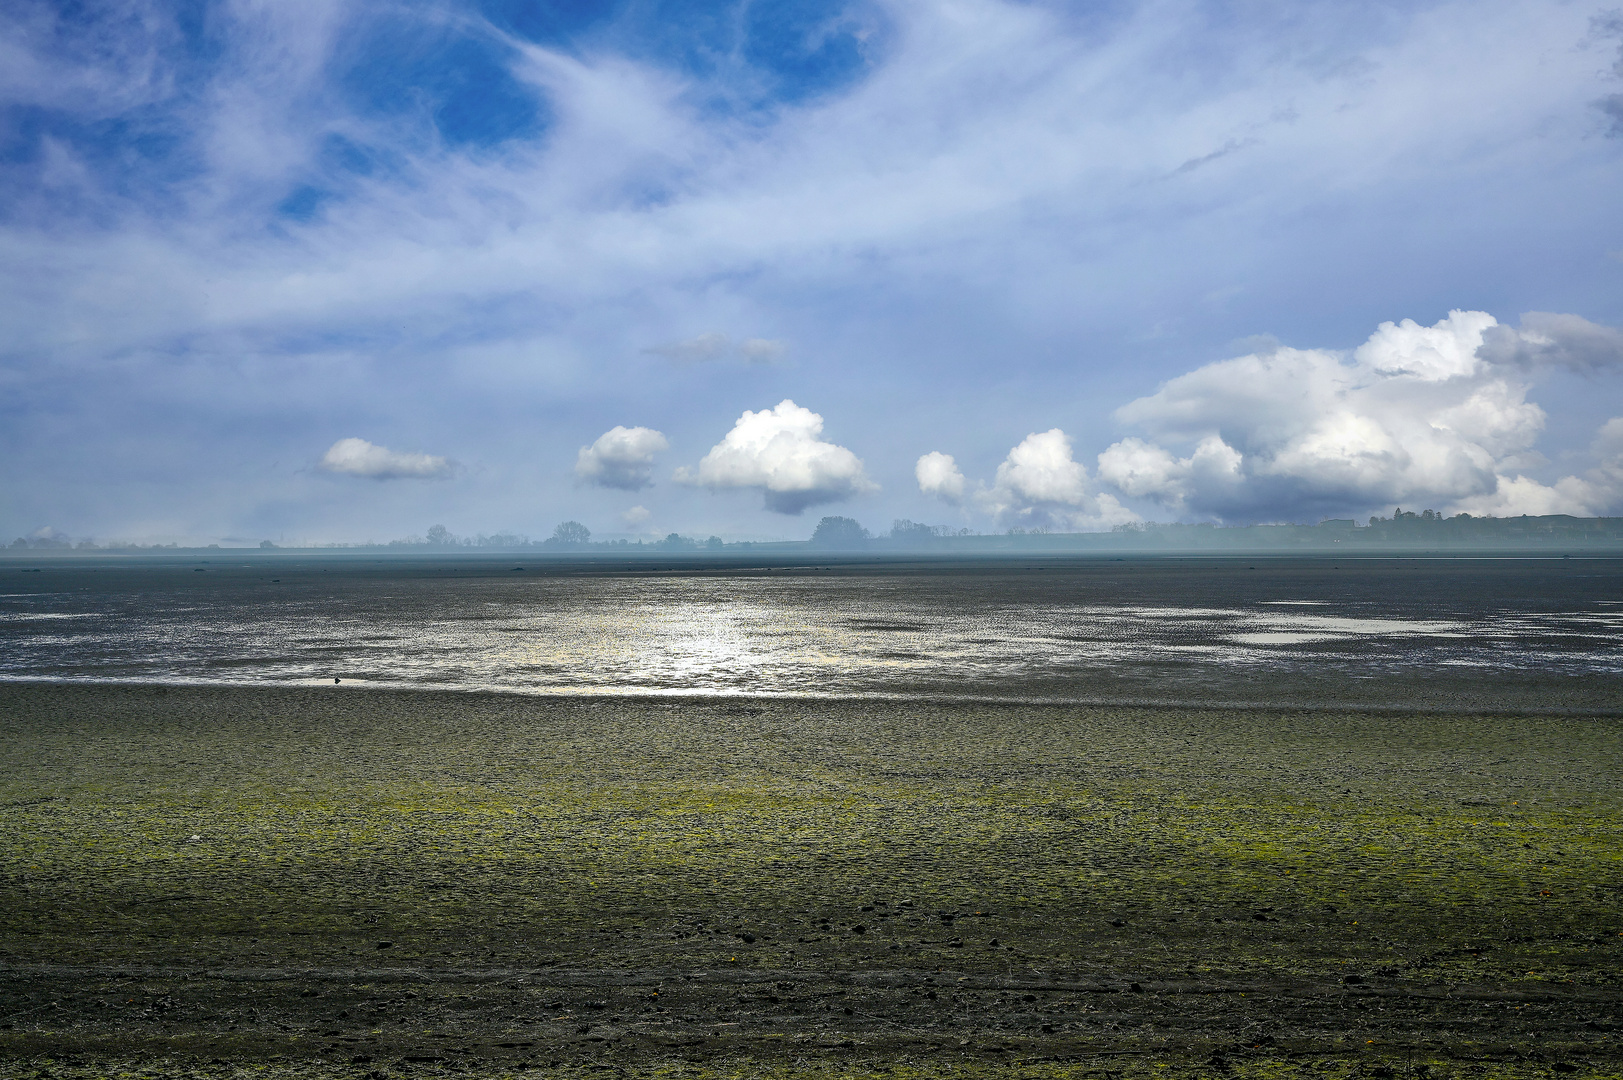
{"x": 1406, "y": 531}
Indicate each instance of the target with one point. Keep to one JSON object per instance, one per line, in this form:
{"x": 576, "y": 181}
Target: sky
{"x": 325, "y": 271}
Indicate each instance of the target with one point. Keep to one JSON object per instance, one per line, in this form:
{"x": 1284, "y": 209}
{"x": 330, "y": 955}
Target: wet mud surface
{"x": 373, "y": 883}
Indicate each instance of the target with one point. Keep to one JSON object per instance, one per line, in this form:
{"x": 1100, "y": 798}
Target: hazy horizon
{"x": 834, "y": 533}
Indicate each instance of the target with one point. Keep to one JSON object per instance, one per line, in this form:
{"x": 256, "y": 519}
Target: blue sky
{"x": 316, "y": 270}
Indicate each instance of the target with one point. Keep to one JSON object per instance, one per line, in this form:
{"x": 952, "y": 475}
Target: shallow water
{"x": 1473, "y": 632}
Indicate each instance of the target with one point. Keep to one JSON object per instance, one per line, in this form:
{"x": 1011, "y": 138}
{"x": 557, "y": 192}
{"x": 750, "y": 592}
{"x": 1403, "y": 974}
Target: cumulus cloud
{"x": 621, "y": 458}
{"x": 718, "y": 346}
{"x": 1041, "y": 470}
{"x": 1137, "y": 468}
{"x": 1038, "y": 485}
{"x": 1435, "y": 415}
{"x": 357, "y": 457}
{"x": 938, "y": 475}
{"x": 778, "y": 451}
{"x": 636, "y": 517}
{"x": 1597, "y": 491}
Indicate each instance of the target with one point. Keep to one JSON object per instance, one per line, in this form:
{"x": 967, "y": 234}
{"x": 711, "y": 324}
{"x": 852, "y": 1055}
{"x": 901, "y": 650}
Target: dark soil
{"x": 384, "y": 883}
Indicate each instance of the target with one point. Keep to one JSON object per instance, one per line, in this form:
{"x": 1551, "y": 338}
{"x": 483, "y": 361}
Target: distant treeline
{"x": 1405, "y": 530}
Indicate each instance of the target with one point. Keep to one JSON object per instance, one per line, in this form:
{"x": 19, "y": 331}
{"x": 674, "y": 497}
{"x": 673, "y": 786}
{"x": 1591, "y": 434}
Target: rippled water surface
{"x": 1123, "y": 629}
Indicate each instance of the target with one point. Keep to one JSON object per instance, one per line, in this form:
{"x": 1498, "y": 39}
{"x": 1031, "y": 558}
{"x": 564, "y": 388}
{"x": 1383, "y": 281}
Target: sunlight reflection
{"x": 757, "y": 635}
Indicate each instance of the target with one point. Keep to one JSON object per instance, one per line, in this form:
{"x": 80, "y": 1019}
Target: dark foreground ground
{"x": 225, "y": 882}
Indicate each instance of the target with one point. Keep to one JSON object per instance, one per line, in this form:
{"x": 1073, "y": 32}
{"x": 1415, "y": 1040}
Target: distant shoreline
{"x": 1403, "y": 534}
{"x": 799, "y": 554}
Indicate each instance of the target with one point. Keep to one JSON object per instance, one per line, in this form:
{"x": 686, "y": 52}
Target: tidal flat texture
{"x": 336, "y": 881}
{"x": 1482, "y": 634}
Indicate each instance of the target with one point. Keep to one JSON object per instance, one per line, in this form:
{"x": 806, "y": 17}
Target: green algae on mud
{"x": 627, "y": 880}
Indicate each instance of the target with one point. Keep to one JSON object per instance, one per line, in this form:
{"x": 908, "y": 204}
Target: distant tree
{"x": 839, "y": 532}
{"x": 571, "y": 534}
{"x": 440, "y": 536}
{"x": 677, "y": 542}
{"x": 714, "y": 544}
{"x": 266, "y": 544}
{"x": 903, "y": 531}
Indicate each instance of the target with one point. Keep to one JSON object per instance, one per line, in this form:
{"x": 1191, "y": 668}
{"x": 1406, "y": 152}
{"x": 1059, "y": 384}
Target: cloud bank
{"x": 779, "y": 453}
{"x": 357, "y": 457}
{"x": 621, "y": 458}
{"x": 1039, "y": 485}
{"x": 1434, "y": 415}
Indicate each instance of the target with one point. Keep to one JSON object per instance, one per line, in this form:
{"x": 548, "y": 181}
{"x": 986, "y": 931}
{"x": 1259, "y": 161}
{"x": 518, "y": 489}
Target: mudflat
{"x": 337, "y": 881}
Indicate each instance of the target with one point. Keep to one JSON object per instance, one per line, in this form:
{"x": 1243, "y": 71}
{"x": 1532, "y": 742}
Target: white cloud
{"x": 778, "y": 452}
{"x": 718, "y": 346}
{"x": 1608, "y": 445}
{"x": 621, "y": 458}
{"x": 938, "y": 475}
{"x": 1430, "y": 353}
{"x": 636, "y": 517}
{"x": 1598, "y": 491}
{"x": 1041, "y": 470}
{"x": 1433, "y": 415}
{"x": 357, "y": 457}
{"x": 1138, "y": 469}
{"x": 1038, "y": 485}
